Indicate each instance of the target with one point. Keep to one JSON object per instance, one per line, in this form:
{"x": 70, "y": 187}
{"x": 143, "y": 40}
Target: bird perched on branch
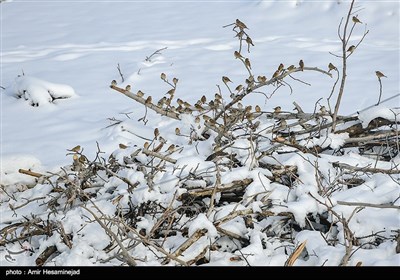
{"x": 356, "y": 20}
{"x": 301, "y": 64}
{"x": 240, "y": 24}
{"x": 379, "y": 74}
{"x": 331, "y": 67}
{"x": 113, "y": 82}
{"x": 351, "y": 48}
{"x": 237, "y": 54}
{"x": 128, "y": 88}
{"x": 226, "y": 80}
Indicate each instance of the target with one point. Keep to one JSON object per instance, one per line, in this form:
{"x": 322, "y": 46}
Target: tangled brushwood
{"x": 240, "y": 182}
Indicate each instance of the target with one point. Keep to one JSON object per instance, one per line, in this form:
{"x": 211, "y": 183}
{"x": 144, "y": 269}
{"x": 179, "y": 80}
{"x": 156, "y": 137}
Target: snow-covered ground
{"x": 65, "y": 54}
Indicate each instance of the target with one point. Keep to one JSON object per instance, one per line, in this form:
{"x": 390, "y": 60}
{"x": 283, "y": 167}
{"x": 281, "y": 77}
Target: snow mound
{"x": 11, "y": 164}
{"x": 39, "y": 92}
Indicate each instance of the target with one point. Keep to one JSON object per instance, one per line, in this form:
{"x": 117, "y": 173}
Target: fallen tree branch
{"x": 30, "y": 173}
{"x": 233, "y": 186}
{"x": 142, "y": 101}
{"x": 362, "y": 204}
{"x": 45, "y": 255}
{"x": 365, "y": 169}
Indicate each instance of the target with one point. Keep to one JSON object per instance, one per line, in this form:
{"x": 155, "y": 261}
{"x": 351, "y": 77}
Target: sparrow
{"x": 239, "y": 88}
{"x": 128, "y": 88}
{"x": 356, "y": 20}
{"x": 379, "y": 74}
{"x": 203, "y": 99}
{"x": 277, "y": 109}
{"x": 331, "y": 67}
{"x": 281, "y": 66}
{"x": 161, "y": 102}
{"x": 76, "y": 149}
{"x": 323, "y": 110}
{"x": 122, "y": 146}
{"x": 148, "y": 100}
{"x": 175, "y": 81}
{"x": 237, "y": 54}
{"x": 258, "y": 109}
{"x": 180, "y": 102}
{"x": 290, "y": 68}
{"x": 177, "y": 131}
{"x": 163, "y": 76}
{"x": 351, "y": 48}
{"x": 247, "y": 63}
{"x": 249, "y": 41}
{"x": 156, "y": 132}
{"x": 240, "y": 24}
{"x": 171, "y": 148}
{"x": 276, "y": 74}
{"x": 113, "y": 82}
{"x": 171, "y": 91}
{"x": 198, "y": 107}
{"x": 226, "y": 79}
{"x": 301, "y": 63}
{"x": 140, "y": 93}
{"x": 261, "y": 79}
{"x": 146, "y": 145}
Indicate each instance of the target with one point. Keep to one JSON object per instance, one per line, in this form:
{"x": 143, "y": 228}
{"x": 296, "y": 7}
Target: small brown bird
{"x": 128, "y": 88}
{"x": 156, "y": 132}
{"x": 249, "y": 41}
{"x": 356, "y": 20}
{"x": 323, "y": 110}
{"x": 226, "y": 80}
{"x": 122, "y": 146}
{"x": 277, "y": 109}
{"x": 163, "y": 76}
{"x": 351, "y": 48}
{"x": 247, "y": 63}
{"x": 177, "y": 131}
{"x": 280, "y": 67}
{"x": 76, "y": 149}
{"x": 175, "y": 81}
{"x": 258, "y": 109}
{"x": 146, "y": 145}
{"x": 114, "y": 82}
{"x": 379, "y": 74}
{"x": 171, "y": 91}
{"x": 301, "y": 64}
{"x": 140, "y": 93}
{"x": 331, "y": 67}
{"x": 237, "y": 54}
{"x": 240, "y": 24}
{"x": 261, "y": 79}
{"x": 148, "y": 100}
{"x": 171, "y": 148}
{"x": 239, "y": 88}
{"x": 203, "y": 99}
{"x": 290, "y": 68}
{"x": 276, "y": 74}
